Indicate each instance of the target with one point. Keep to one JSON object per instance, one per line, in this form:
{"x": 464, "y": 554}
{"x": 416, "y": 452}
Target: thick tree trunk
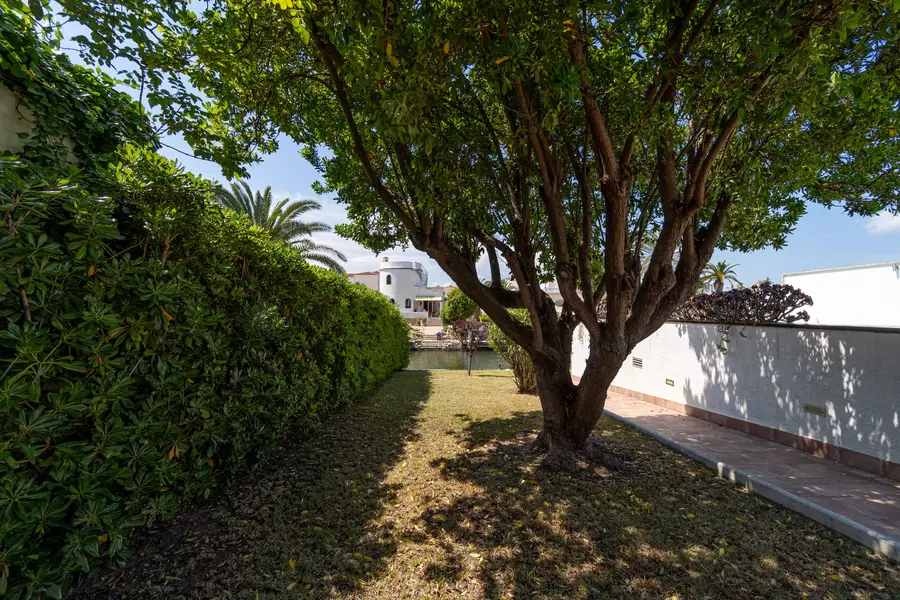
{"x": 558, "y": 396}
{"x": 571, "y": 411}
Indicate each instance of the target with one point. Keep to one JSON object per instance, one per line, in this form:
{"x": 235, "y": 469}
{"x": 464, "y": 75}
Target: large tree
{"x": 554, "y": 137}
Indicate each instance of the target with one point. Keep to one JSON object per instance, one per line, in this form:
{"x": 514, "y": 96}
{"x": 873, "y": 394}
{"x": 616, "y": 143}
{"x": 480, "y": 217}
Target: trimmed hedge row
{"x": 152, "y": 346}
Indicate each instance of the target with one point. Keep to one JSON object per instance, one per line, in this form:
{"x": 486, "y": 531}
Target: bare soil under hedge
{"x": 426, "y": 490}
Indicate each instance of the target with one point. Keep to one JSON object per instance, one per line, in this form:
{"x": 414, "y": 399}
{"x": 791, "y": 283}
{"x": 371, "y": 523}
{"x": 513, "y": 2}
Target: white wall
{"x": 14, "y": 119}
{"x": 868, "y": 295}
{"x": 370, "y": 280}
{"x": 769, "y": 373}
{"x": 580, "y": 339}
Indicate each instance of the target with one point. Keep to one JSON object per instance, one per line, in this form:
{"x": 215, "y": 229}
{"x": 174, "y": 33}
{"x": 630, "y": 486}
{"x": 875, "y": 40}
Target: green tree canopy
{"x": 558, "y": 136}
{"x": 457, "y": 306}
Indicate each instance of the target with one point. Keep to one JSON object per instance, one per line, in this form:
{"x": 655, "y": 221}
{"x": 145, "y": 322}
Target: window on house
{"x": 408, "y": 303}
{"x": 387, "y": 281}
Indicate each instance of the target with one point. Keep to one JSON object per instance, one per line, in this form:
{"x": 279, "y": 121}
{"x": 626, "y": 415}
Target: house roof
{"x": 363, "y": 273}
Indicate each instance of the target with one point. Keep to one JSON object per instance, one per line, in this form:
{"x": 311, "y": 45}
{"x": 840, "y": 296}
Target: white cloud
{"x": 883, "y": 223}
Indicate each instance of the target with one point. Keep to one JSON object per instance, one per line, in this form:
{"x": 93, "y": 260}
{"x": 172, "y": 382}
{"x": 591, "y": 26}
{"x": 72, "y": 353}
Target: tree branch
{"x": 333, "y": 60}
{"x": 582, "y": 176}
{"x": 600, "y": 138}
{"x": 548, "y": 164}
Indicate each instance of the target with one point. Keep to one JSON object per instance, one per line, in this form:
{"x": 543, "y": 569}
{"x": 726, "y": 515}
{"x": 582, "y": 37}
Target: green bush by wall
{"x": 514, "y": 355}
{"x": 75, "y": 113}
{"x": 152, "y": 346}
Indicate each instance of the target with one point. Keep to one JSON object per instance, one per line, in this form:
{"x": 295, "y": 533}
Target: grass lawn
{"x": 426, "y": 491}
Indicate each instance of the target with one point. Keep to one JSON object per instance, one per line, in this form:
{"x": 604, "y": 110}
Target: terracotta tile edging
{"x": 873, "y": 540}
{"x": 865, "y": 462}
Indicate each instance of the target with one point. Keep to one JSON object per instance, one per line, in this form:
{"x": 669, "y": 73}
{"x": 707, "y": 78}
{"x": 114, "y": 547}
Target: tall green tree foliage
{"x": 283, "y": 221}
{"x": 457, "y": 306}
{"x": 556, "y": 136}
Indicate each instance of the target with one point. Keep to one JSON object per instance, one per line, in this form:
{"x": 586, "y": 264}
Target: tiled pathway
{"x": 870, "y": 500}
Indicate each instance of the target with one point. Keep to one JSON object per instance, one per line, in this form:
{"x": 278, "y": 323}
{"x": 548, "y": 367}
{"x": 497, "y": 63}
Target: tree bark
{"x": 557, "y": 394}
{"x": 571, "y": 411}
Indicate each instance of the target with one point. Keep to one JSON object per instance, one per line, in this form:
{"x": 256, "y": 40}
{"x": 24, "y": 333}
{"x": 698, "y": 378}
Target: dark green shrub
{"x": 153, "y": 346}
{"x": 514, "y": 355}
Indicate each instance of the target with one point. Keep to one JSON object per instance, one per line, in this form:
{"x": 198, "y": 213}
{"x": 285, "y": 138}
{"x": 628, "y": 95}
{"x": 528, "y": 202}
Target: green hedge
{"x": 153, "y": 346}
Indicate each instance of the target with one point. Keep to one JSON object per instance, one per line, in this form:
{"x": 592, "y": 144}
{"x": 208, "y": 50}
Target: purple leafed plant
{"x": 762, "y": 303}
{"x": 471, "y": 334}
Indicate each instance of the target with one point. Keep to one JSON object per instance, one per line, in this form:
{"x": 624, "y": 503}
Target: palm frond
{"x": 307, "y": 246}
{"x": 326, "y": 261}
{"x": 237, "y": 198}
{"x": 281, "y": 221}
{"x": 262, "y": 208}
{"x": 299, "y": 207}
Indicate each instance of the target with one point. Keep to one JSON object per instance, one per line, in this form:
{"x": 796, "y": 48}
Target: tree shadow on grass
{"x": 299, "y": 528}
{"x": 664, "y": 526}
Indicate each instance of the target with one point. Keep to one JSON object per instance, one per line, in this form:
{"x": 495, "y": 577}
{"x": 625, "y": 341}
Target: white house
{"x": 863, "y": 295}
{"x": 405, "y": 283}
{"x": 367, "y": 278}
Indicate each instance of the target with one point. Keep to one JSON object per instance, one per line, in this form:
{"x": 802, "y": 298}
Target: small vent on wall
{"x": 637, "y": 363}
{"x": 813, "y": 409}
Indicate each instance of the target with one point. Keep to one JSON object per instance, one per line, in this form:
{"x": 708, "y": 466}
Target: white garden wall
{"x": 864, "y": 295}
{"x": 15, "y": 118}
{"x": 769, "y": 374}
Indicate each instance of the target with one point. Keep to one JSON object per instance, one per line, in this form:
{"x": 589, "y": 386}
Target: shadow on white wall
{"x": 769, "y": 375}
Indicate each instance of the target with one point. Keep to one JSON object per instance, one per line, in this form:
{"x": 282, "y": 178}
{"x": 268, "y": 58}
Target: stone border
{"x": 858, "y": 460}
{"x": 875, "y": 541}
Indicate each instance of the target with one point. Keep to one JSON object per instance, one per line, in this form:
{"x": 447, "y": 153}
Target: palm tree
{"x": 716, "y": 274}
{"x": 326, "y": 256}
{"x": 281, "y": 221}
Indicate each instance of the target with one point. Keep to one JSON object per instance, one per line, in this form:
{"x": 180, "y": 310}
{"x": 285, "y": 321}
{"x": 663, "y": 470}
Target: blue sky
{"x": 823, "y": 238}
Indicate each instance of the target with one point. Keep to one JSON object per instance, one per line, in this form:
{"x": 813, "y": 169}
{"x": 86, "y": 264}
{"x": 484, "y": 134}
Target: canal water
{"x": 483, "y": 360}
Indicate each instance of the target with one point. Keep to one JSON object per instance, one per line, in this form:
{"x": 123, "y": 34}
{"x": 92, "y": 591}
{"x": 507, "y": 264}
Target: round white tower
{"x": 400, "y": 280}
